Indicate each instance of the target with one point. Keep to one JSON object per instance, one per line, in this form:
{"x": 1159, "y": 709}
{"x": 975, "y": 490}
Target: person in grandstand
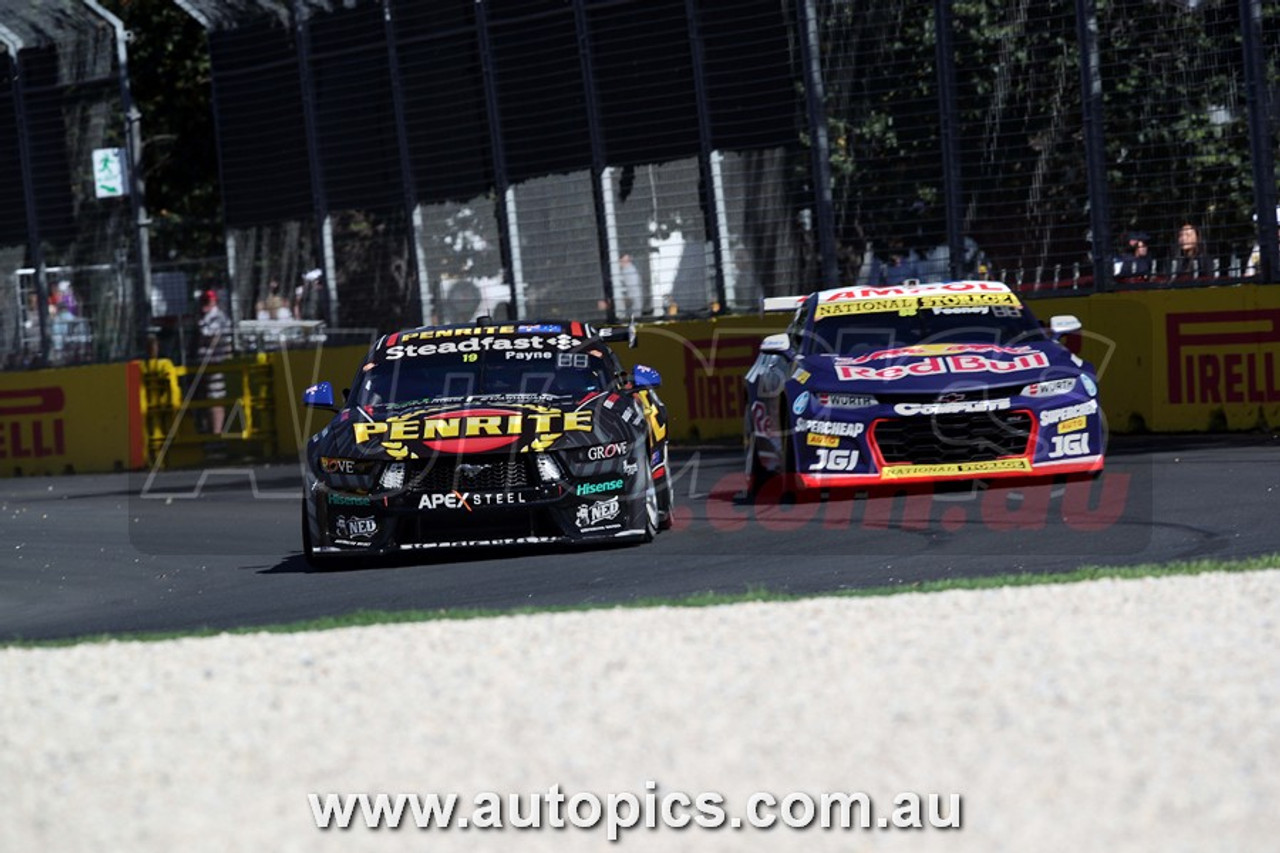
{"x": 215, "y": 347}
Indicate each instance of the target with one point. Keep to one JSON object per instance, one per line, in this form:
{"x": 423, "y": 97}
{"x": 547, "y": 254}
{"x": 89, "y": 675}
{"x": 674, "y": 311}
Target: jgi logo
{"x": 355, "y": 528}
{"x": 1070, "y": 445}
{"x": 835, "y": 460}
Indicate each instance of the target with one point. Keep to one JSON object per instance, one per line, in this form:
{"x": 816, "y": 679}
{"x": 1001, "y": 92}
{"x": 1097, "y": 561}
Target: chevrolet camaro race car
{"x": 918, "y": 383}
{"x": 487, "y": 434}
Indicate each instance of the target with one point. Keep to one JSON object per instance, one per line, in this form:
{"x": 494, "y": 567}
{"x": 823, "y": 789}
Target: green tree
{"x": 169, "y": 73}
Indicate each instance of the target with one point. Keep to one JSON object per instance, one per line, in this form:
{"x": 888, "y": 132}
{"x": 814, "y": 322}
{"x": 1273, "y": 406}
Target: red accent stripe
{"x": 391, "y": 338}
{"x": 575, "y": 329}
{"x": 133, "y": 393}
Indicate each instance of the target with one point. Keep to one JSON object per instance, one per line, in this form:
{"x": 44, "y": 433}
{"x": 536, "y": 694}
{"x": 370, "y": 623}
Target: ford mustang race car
{"x": 918, "y": 383}
{"x": 487, "y": 434}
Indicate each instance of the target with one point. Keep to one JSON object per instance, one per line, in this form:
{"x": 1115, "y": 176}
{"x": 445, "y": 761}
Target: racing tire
{"x": 787, "y": 462}
{"x": 652, "y": 515}
{"x": 320, "y": 562}
{"x": 757, "y": 474}
{"x": 666, "y": 496}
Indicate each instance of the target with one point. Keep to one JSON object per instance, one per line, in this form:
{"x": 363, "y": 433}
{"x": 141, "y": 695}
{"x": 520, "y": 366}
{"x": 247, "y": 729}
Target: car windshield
{"x": 459, "y": 375}
{"x": 851, "y": 334}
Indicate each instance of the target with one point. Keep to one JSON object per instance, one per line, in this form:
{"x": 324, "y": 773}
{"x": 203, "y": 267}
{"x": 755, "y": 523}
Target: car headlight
{"x": 1050, "y": 388}
{"x": 548, "y": 469}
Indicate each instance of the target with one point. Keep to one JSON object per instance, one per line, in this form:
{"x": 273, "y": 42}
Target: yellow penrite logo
{"x": 474, "y": 430}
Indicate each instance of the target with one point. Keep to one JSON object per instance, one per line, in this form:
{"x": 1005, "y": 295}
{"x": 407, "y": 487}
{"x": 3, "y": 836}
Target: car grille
{"x": 986, "y": 392}
{"x": 965, "y": 437}
{"x": 476, "y": 473}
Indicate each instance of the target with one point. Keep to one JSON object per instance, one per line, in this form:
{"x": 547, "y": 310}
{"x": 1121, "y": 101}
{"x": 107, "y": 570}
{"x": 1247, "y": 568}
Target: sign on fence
{"x": 109, "y": 173}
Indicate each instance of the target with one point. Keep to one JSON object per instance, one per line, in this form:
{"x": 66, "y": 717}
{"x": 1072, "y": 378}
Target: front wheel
{"x": 652, "y": 515}
{"x": 314, "y": 560}
{"x": 666, "y": 494}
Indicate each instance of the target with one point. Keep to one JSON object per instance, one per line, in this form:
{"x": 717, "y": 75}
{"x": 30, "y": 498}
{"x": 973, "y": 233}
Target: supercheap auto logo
{"x": 471, "y": 430}
{"x": 1083, "y": 513}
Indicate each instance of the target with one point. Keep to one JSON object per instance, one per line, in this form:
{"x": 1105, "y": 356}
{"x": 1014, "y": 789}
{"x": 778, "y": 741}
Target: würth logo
{"x": 1223, "y": 356}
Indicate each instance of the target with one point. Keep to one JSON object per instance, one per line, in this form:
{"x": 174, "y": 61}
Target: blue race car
{"x": 918, "y": 383}
{"x": 487, "y": 434}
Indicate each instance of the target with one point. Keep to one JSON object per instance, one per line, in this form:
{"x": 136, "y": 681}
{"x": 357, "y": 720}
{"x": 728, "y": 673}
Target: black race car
{"x": 487, "y": 435}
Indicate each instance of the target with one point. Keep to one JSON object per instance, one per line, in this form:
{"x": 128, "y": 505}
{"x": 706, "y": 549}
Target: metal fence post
{"x": 508, "y": 242}
{"x": 319, "y": 199}
{"x": 137, "y": 186}
{"x": 1095, "y": 149}
{"x": 951, "y": 184}
{"x": 710, "y": 192}
{"x": 407, "y": 180}
{"x": 819, "y": 147}
{"x": 605, "y": 228}
{"x": 14, "y": 46}
{"x": 1258, "y": 98}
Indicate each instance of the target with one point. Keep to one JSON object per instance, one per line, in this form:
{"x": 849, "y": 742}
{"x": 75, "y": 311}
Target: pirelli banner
{"x": 703, "y": 364}
{"x": 71, "y": 420}
{"x": 1197, "y": 360}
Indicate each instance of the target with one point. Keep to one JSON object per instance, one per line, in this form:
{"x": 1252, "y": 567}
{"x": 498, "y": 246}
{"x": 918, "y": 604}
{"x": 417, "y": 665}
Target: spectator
{"x": 215, "y": 348}
{"x": 632, "y": 293}
{"x": 67, "y": 298}
{"x": 60, "y": 319}
{"x": 1135, "y": 263}
{"x": 310, "y": 296}
{"x": 273, "y": 307}
{"x": 1189, "y": 259}
{"x": 900, "y": 266}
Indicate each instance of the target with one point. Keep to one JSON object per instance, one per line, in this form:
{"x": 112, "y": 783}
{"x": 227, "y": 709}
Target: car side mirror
{"x": 779, "y": 343}
{"x": 1064, "y": 324}
{"x": 319, "y": 396}
{"x": 646, "y": 377}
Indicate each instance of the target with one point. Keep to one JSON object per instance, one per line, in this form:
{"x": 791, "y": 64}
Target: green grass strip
{"x": 703, "y": 599}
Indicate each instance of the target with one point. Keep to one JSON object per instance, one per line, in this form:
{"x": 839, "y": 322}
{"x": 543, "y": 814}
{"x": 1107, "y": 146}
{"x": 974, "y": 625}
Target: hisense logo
{"x": 599, "y": 488}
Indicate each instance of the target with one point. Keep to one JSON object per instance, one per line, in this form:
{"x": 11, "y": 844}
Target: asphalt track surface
{"x": 219, "y": 548}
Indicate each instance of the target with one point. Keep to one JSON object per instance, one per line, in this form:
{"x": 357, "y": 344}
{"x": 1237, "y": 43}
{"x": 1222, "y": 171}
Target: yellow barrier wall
{"x": 71, "y": 420}
{"x": 1169, "y": 361}
{"x": 294, "y": 372}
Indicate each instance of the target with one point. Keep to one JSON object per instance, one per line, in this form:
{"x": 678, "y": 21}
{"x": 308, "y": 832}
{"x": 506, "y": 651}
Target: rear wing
{"x": 782, "y": 303}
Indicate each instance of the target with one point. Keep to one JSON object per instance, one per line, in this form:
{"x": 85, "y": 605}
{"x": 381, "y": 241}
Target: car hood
{"x": 480, "y": 424}
{"x": 935, "y": 368}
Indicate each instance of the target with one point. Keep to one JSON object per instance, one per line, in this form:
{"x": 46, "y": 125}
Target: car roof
{"x": 910, "y": 288}
{"x": 484, "y": 327}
